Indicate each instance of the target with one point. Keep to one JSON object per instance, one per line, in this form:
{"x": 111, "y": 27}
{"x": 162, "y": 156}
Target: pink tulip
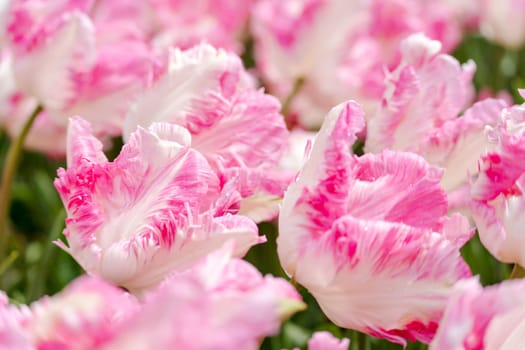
{"x": 153, "y": 210}
{"x": 368, "y": 236}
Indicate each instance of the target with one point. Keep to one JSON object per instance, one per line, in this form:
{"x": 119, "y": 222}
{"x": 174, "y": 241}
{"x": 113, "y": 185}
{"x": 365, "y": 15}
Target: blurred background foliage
{"x": 35, "y": 266}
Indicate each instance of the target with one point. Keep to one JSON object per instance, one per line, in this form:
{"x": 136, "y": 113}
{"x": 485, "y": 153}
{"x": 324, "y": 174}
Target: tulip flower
{"x": 155, "y": 209}
{"x": 368, "y": 236}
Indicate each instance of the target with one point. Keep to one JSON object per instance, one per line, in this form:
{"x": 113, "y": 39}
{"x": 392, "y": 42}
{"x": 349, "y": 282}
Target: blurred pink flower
{"x": 72, "y": 65}
{"x": 237, "y": 128}
{"x": 478, "y": 318}
{"x": 180, "y": 23}
{"x": 503, "y": 21}
{"x": 326, "y": 341}
{"x": 83, "y": 316}
{"x": 155, "y": 209}
{"x": 221, "y": 303}
{"x": 339, "y": 48}
{"x": 498, "y": 199}
{"x": 186, "y": 23}
{"x": 368, "y": 236}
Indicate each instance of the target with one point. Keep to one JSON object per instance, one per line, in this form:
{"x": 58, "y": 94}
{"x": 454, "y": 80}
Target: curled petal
{"x": 178, "y": 97}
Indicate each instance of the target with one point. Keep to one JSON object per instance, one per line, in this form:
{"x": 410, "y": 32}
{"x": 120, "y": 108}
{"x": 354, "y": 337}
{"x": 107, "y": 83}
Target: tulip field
{"x": 262, "y": 174}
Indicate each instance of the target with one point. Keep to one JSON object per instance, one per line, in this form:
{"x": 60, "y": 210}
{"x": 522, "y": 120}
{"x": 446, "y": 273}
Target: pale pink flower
{"x": 498, "y": 199}
{"x": 155, "y": 209}
{"x": 478, "y": 318}
{"x": 4, "y": 10}
{"x": 83, "y": 316}
{"x": 74, "y": 66}
{"x": 326, "y": 341}
{"x": 221, "y": 303}
{"x": 503, "y": 21}
{"x": 368, "y": 236}
{"x": 339, "y": 48}
{"x": 237, "y": 128}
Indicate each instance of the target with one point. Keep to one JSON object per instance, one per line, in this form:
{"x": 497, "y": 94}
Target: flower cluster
{"x": 356, "y": 129}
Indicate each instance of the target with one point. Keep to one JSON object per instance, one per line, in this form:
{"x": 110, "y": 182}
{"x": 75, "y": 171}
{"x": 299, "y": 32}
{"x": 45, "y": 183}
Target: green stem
{"x": 4, "y": 265}
{"x": 517, "y": 272}
{"x": 8, "y": 176}
{"x": 37, "y": 284}
{"x": 362, "y": 339}
{"x": 298, "y": 84}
